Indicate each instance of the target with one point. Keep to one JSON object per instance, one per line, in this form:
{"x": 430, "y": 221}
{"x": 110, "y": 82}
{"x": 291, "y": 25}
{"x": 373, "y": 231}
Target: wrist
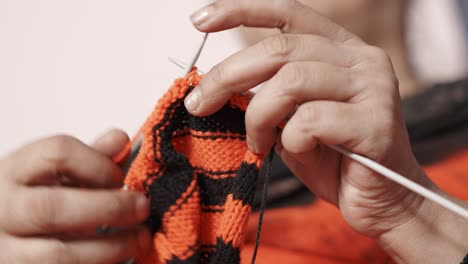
{"x": 431, "y": 235}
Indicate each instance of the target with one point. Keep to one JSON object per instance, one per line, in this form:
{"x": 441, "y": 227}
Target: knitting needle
{"x": 137, "y": 145}
{"x": 189, "y": 67}
{"x": 182, "y": 64}
{"x": 400, "y": 179}
{"x": 394, "y": 176}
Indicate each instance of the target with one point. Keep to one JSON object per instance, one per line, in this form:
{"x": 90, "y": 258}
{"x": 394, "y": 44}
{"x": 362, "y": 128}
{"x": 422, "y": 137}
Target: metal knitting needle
{"x": 137, "y": 145}
{"x": 403, "y": 181}
{"x": 182, "y": 64}
{"x": 189, "y": 67}
{"x": 394, "y": 176}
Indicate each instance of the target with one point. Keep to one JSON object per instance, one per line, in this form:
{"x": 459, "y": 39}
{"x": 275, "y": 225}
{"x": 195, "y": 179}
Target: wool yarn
{"x": 200, "y": 177}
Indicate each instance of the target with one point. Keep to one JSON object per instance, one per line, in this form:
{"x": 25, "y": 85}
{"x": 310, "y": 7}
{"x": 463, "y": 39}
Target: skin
{"x": 50, "y": 209}
{"x": 333, "y": 88}
{"x": 377, "y": 22}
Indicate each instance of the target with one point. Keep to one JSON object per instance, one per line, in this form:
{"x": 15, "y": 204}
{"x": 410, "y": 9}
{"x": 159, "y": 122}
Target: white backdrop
{"x": 81, "y": 67}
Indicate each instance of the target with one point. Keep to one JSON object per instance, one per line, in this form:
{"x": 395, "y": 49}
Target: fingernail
{"x": 202, "y": 15}
{"x": 144, "y": 239}
{"x": 193, "y": 100}
{"x": 142, "y": 205}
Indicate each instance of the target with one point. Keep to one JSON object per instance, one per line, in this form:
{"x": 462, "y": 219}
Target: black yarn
{"x": 263, "y": 203}
{"x": 465, "y": 260}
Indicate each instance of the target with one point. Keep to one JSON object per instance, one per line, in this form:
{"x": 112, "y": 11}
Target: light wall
{"x": 81, "y": 67}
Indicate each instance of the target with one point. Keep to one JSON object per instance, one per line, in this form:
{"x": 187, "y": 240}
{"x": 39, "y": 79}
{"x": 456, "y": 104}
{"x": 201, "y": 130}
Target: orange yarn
{"x": 200, "y": 177}
{"x": 318, "y": 233}
{"x": 207, "y": 221}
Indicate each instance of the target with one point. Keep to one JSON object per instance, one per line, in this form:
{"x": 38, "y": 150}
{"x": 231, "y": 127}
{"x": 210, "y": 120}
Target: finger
{"x": 327, "y": 122}
{"x": 290, "y": 16}
{"x": 111, "y": 143}
{"x": 51, "y": 159}
{"x": 99, "y": 250}
{"x": 293, "y": 85}
{"x": 367, "y": 129}
{"x": 260, "y": 62}
{"x": 44, "y": 210}
{"x": 317, "y": 169}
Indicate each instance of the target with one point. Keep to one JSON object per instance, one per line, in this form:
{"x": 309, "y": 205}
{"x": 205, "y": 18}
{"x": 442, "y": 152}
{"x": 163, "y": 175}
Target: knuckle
{"x": 382, "y": 85}
{"x": 217, "y": 74}
{"x": 290, "y": 8}
{"x": 59, "y": 149}
{"x": 297, "y": 137}
{"x": 280, "y": 45}
{"x": 119, "y": 207}
{"x": 291, "y": 76}
{"x": 44, "y": 211}
{"x": 386, "y": 82}
{"x": 306, "y": 114}
{"x": 342, "y": 34}
{"x": 377, "y": 55}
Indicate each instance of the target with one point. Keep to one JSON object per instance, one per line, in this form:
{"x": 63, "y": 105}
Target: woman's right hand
{"x": 54, "y": 193}
{"x": 333, "y": 89}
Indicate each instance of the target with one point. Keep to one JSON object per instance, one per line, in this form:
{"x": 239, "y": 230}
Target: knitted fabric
{"x": 200, "y": 177}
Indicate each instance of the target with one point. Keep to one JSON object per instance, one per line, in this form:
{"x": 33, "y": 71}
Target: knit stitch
{"x": 200, "y": 178}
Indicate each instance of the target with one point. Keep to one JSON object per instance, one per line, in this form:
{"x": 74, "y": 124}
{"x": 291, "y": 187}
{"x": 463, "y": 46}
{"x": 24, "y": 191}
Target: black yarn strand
{"x": 263, "y": 203}
{"x": 465, "y": 260}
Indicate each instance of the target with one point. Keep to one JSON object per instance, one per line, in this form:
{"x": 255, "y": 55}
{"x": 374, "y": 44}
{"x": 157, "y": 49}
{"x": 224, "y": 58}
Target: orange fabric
{"x": 200, "y": 177}
{"x": 451, "y": 175}
{"x": 318, "y": 233}
{"x": 309, "y": 234}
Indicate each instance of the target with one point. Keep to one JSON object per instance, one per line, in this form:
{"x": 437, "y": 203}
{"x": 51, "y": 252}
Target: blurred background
{"x": 81, "y": 67}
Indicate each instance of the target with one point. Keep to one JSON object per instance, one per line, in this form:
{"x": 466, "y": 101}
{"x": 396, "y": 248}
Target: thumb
{"x": 111, "y": 142}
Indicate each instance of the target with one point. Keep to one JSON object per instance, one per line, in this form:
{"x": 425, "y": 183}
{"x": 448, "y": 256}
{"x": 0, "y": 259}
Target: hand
{"x": 55, "y": 193}
{"x": 335, "y": 89}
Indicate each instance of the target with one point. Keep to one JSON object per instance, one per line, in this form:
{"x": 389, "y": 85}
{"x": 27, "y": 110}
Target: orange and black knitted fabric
{"x": 200, "y": 178}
